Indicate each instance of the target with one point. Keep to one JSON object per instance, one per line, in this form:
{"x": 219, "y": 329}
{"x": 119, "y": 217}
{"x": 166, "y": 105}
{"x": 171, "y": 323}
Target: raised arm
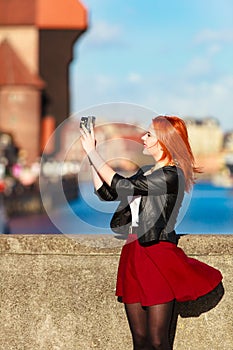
{"x": 97, "y": 181}
{"x": 102, "y": 171}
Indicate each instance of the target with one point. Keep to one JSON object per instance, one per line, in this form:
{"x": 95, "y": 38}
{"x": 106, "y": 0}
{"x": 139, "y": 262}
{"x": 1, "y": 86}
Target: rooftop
{"x": 46, "y": 14}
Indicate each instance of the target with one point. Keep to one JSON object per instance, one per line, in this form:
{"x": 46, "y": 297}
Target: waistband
{"x": 133, "y": 230}
{"x": 131, "y": 238}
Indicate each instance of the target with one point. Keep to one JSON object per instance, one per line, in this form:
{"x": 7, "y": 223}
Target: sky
{"x": 173, "y": 57}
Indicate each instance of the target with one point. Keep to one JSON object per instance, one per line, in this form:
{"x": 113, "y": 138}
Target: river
{"x": 207, "y": 210}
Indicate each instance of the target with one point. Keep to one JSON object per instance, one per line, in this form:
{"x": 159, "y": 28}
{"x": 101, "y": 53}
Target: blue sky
{"x": 173, "y": 57}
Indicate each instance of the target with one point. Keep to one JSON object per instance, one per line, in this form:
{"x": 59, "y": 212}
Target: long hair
{"x": 172, "y": 135}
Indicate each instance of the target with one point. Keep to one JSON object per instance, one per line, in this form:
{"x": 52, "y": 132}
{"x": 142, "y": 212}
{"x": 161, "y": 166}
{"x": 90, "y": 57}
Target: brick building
{"x": 36, "y": 42}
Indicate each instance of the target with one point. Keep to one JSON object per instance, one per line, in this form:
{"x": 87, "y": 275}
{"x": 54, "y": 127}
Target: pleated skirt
{"x": 160, "y": 273}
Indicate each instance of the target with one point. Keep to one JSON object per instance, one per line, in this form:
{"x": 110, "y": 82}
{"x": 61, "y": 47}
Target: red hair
{"x": 173, "y": 137}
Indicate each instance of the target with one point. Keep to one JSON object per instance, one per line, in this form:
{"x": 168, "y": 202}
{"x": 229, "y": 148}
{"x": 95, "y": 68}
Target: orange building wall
{"x": 48, "y": 126}
{"x": 25, "y": 42}
{"x": 17, "y": 12}
{"x": 19, "y": 115}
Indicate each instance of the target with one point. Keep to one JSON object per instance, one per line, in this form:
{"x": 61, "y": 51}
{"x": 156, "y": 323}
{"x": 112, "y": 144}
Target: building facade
{"x": 36, "y": 42}
{"x": 206, "y": 136}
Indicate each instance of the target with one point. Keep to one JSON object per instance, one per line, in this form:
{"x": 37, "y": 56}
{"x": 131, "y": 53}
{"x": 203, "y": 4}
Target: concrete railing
{"x": 57, "y": 292}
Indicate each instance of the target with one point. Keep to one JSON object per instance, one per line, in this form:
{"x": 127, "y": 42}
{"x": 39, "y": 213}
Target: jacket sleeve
{"x": 109, "y": 193}
{"x": 161, "y": 181}
{"x": 106, "y": 193}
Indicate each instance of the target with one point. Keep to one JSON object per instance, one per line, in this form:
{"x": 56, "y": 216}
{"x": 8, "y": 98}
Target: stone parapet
{"x": 57, "y": 292}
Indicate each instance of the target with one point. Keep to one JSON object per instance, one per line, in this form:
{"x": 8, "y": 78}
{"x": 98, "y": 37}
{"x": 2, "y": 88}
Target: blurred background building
{"x": 206, "y": 135}
{"x": 207, "y": 141}
{"x": 36, "y": 43}
{"x": 36, "y": 49}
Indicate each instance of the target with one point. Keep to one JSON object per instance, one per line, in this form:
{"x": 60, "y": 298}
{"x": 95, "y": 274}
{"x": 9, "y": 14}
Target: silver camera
{"x": 87, "y": 122}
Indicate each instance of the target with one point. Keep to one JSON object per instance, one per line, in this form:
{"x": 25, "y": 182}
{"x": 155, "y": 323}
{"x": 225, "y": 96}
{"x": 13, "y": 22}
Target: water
{"x": 210, "y": 211}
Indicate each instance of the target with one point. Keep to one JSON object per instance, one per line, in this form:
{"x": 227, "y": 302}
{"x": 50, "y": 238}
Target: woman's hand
{"x": 88, "y": 139}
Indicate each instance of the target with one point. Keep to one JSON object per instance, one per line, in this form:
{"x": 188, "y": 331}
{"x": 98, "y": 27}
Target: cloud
{"x": 214, "y": 49}
{"x": 134, "y": 78}
{"x": 177, "y": 96}
{"x": 208, "y": 36}
{"x": 103, "y": 34}
{"x": 197, "y": 99}
{"x": 198, "y": 66}
{"x": 104, "y": 82}
{"x": 203, "y": 65}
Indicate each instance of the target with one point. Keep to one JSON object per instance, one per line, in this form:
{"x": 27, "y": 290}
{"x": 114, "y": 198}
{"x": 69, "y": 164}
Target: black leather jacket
{"x": 161, "y": 194}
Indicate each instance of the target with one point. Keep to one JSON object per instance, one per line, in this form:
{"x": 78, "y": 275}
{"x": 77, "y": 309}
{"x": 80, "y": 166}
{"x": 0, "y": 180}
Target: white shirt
{"x": 134, "y": 202}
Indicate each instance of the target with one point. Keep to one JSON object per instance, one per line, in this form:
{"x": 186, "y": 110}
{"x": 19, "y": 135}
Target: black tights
{"x": 150, "y": 325}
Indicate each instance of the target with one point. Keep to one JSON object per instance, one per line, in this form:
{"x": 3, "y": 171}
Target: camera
{"x": 87, "y": 122}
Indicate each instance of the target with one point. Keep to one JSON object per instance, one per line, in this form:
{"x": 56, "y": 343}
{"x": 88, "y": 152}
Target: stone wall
{"x": 57, "y": 292}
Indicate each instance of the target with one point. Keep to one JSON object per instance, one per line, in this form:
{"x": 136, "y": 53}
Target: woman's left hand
{"x": 88, "y": 139}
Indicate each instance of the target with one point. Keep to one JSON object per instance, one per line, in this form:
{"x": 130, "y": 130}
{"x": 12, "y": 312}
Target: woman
{"x": 153, "y": 272}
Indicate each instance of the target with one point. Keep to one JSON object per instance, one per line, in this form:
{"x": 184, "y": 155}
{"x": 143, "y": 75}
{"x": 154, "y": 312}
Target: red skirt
{"x": 160, "y": 273}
